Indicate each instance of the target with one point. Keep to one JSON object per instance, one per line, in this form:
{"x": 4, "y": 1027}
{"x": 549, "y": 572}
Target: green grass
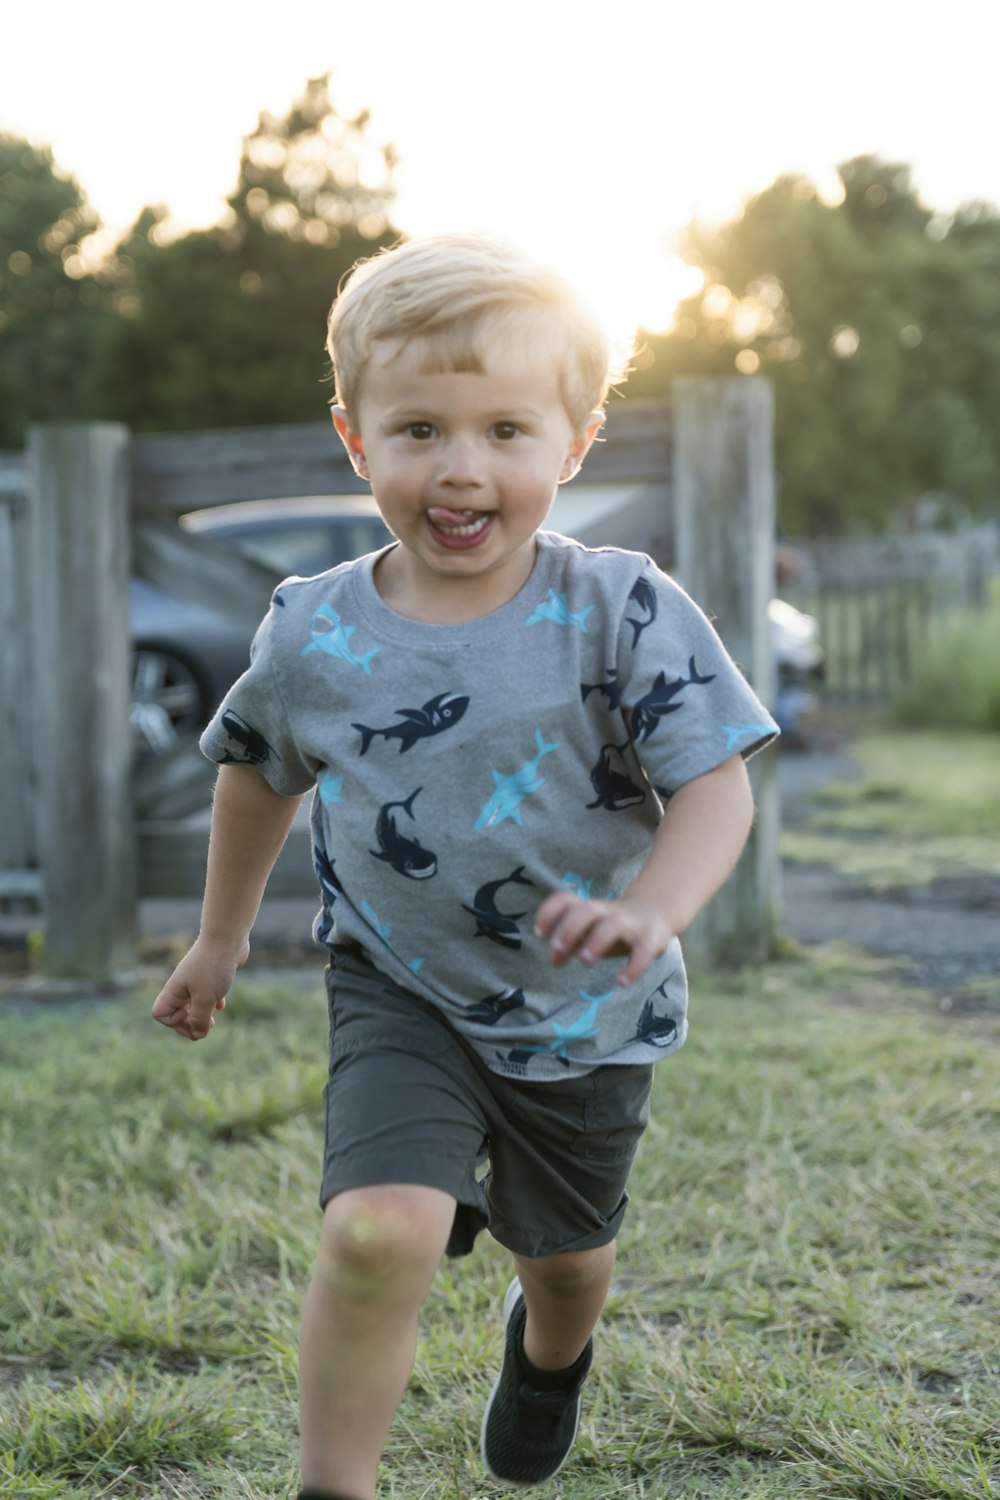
{"x": 806, "y": 1301}
{"x": 926, "y": 807}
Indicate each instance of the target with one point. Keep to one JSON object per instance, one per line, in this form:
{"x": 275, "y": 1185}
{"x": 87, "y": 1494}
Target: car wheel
{"x": 167, "y": 701}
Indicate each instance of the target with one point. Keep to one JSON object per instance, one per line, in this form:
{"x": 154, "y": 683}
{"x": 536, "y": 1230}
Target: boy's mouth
{"x": 458, "y": 528}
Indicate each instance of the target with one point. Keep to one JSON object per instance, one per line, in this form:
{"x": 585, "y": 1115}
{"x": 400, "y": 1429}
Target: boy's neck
{"x": 445, "y": 601}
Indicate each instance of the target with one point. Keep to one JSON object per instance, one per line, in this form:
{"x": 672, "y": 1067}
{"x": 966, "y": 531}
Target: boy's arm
{"x": 705, "y": 825}
{"x": 250, "y": 823}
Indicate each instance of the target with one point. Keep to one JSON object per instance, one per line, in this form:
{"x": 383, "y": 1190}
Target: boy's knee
{"x": 376, "y": 1243}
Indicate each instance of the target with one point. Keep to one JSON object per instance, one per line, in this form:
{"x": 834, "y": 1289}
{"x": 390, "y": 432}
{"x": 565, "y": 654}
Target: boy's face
{"x": 464, "y": 467}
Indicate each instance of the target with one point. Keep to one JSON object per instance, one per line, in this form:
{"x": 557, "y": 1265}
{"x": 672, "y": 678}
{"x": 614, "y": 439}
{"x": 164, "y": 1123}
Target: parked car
{"x": 186, "y": 656}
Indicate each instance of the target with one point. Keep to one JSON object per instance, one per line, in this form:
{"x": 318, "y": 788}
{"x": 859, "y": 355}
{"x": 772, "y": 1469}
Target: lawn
{"x": 806, "y": 1301}
{"x": 926, "y": 807}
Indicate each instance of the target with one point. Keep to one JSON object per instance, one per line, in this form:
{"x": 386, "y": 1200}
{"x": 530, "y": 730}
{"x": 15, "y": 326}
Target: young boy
{"x": 524, "y": 752}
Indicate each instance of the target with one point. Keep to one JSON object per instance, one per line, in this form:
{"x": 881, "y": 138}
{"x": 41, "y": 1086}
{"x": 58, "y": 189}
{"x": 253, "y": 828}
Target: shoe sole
{"x": 509, "y": 1303}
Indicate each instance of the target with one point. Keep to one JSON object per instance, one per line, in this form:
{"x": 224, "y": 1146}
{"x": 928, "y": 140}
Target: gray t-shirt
{"x": 464, "y": 772}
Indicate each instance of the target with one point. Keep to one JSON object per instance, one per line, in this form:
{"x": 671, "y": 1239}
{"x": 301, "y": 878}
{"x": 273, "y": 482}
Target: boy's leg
{"x": 379, "y": 1250}
{"x": 533, "y": 1413}
{"x": 564, "y": 1295}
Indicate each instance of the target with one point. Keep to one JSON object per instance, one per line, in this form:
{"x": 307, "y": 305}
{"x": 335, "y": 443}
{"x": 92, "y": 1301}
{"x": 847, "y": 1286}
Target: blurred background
{"x": 807, "y": 198}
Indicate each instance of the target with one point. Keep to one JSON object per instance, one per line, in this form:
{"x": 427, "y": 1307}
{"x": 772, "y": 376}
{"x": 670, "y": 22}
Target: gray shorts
{"x": 543, "y": 1166}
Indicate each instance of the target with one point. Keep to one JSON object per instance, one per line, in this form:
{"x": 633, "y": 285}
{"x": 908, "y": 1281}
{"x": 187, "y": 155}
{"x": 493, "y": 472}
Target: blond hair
{"x": 456, "y": 293}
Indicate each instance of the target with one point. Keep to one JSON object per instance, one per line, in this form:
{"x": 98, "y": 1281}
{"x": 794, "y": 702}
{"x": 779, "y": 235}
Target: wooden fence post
{"x": 724, "y": 527}
{"x": 78, "y": 488}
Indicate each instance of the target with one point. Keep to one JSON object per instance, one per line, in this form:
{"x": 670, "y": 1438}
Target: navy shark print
{"x": 251, "y": 749}
{"x": 662, "y": 699}
{"x": 610, "y": 779}
{"x": 489, "y": 1010}
{"x": 654, "y": 1030}
{"x": 405, "y": 855}
{"x": 436, "y": 715}
{"x": 645, "y": 597}
{"x": 500, "y": 927}
{"x": 611, "y": 689}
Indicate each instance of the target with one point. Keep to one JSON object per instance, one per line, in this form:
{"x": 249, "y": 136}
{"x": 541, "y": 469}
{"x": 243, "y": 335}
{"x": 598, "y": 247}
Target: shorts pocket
{"x": 616, "y": 1114}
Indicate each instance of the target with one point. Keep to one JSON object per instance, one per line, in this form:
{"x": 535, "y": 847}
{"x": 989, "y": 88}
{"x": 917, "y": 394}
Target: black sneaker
{"x": 527, "y": 1434}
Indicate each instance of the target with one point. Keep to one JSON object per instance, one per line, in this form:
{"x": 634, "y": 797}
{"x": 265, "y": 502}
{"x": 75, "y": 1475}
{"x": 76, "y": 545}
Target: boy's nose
{"x": 462, "y": 463}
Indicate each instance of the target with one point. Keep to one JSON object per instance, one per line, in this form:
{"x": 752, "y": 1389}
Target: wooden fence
{"x": 881, "y": 602}
{"x": 88, "y": 504}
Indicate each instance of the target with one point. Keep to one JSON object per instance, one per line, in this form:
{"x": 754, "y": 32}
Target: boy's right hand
{"x": 197, "y": 988}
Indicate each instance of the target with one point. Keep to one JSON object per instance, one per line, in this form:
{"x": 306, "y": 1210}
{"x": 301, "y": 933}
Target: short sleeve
{"x": 688, "y": 706}
{"x": 252, "y": 726}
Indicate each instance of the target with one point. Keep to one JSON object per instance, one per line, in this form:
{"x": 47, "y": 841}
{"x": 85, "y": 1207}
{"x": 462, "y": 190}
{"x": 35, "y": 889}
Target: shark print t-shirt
{"x": 463, "y": 772}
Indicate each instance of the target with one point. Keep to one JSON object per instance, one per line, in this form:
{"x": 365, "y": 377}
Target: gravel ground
{"x": 946, "y": 933}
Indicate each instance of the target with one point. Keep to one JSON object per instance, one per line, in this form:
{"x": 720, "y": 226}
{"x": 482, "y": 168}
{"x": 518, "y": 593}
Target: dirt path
{"x": 947, "y": 932}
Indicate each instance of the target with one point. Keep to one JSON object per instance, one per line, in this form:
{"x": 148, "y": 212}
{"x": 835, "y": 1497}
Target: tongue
{"x": 440, "y": 515}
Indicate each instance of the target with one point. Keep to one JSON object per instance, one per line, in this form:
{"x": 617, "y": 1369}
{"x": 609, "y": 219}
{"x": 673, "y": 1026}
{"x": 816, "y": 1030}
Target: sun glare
{"x": 640, "y": 290}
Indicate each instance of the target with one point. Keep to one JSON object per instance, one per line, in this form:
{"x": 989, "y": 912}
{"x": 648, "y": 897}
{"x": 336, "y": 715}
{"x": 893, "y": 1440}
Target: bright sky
{"x": 587, "y": 130}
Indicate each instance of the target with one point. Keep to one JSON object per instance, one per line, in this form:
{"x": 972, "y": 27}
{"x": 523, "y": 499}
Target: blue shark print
{"x": 555, "y": 607}
{"x": 416, "y": 964}
{"x": 384, "y": 932}
{"x": 654, "y": 1030}
{"x": 611, "y": 780}
{"x": 330, "y": 788}
{"x": 492, "y": 1008}
{"x": 611, "y": 689}
{"x": 247, "y": 746}
{"x": 662, "y": 700}
{"x": 332, "y": 636}
{"x": 278, "y": 598}
{"x": 737, "y": 732}
{"x": 407, "y": 856}
{"x": 500, "y": 927}
{"x": 510, "y": 791}
{"x": 576, "y": 883}
{"x": 645, "y": 597}
{"x": 580, "y": 1030}
{"x": 418, "y": 723}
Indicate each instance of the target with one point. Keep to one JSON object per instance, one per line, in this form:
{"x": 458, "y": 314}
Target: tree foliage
{"x": 225, "y": 326}
{"x": 54, "y": 323}
{"x": 878, "y": 324}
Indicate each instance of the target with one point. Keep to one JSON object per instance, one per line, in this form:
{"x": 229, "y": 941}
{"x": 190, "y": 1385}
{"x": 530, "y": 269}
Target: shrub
{"x": 957, "y": 684}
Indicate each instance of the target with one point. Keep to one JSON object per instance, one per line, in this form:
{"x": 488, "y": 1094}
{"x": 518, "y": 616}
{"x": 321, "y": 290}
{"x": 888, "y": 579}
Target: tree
{"x": 878, "y": 326}
{"x": 225, "y": 326}
{"x": 54, "y": 320}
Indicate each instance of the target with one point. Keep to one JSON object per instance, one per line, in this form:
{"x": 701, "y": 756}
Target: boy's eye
{"x": 421, "y": 431}
{"x": 505, "y": 430}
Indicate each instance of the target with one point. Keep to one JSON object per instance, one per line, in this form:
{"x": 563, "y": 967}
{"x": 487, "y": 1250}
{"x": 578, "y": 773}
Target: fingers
{"x": 185, "y": 1015}
{"x": 590, "y": 930}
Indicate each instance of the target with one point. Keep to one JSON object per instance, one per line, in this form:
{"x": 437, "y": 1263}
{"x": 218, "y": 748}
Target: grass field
{"x": 806, "y": 1301}
{"x": 927, "y": 807}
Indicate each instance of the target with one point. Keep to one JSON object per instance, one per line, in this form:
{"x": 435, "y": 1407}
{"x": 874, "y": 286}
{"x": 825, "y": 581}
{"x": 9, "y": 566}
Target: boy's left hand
{"x": 590, "y": 930}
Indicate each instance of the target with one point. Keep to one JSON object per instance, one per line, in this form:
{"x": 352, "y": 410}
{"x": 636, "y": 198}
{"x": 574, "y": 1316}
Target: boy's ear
{"x": 580, "y": 446}
{"x": 351, "y": 439}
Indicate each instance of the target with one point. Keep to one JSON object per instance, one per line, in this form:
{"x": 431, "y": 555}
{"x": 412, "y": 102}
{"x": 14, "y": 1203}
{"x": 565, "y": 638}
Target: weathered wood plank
{"x": 177, "y": 472}
{"x": 18, "y": 788}
{"x": 79, "y": 631}
{"x": 724, "y": 519}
